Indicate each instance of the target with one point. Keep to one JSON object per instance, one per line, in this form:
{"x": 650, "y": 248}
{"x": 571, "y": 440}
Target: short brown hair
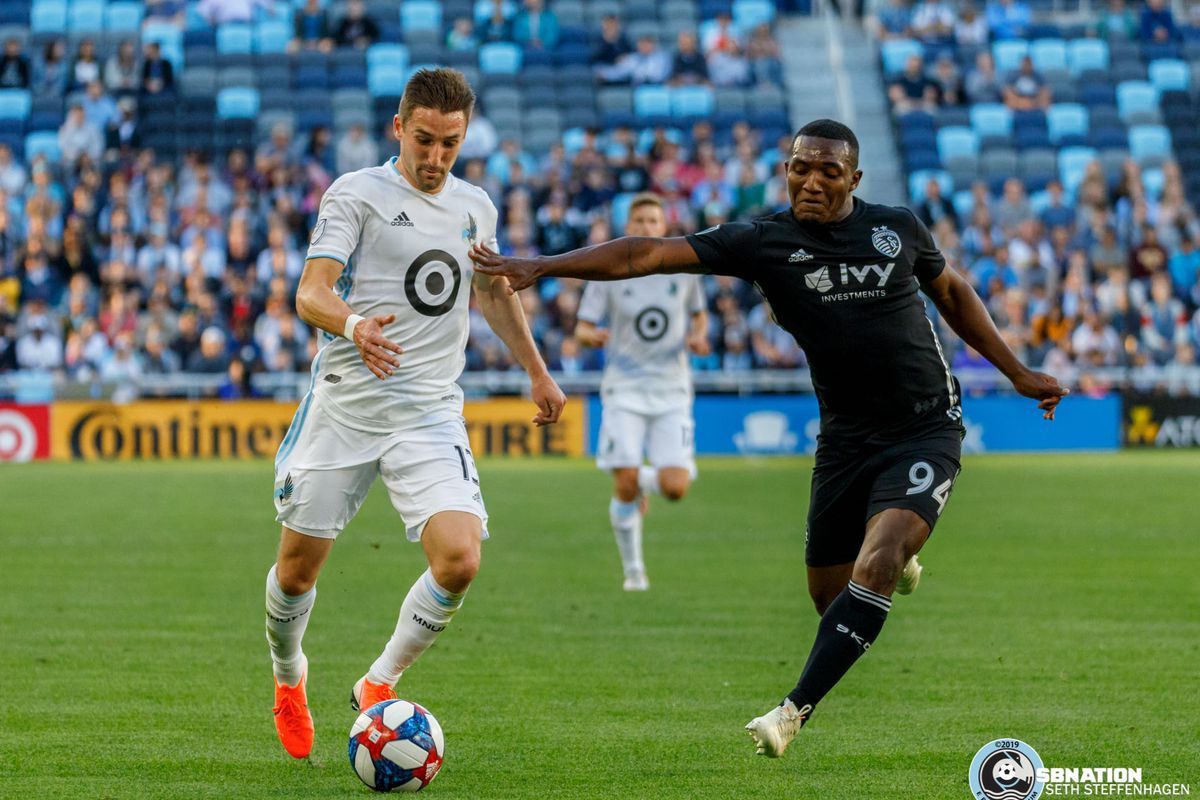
{"x": 443, "y": 89}
{"x": 646, "y": 199}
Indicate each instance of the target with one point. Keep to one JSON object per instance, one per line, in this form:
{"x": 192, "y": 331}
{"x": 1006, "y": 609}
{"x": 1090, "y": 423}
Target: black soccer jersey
{"x": 848, "y": 292}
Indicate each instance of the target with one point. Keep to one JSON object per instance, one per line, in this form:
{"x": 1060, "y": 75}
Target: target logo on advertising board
{"x": 24, "y": 432}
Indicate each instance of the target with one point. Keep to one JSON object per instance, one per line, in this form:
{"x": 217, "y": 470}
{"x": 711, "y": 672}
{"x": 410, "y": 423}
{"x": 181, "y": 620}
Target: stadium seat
{"x": 1048, "y": 54}
{"x": 1153, "y": 182}
{"x": 766, "y": 98}
{"x": 1072, "y": 163}
{"x": 483, "y": 10}
{"x": 421, "y": 15}
{"x": 749, "y": 14}
{"x": 198, "y": 81}
{"x": 1136, "y": 96}
{"x": 1097, "y": 94}
{"x": 992, "y": 119}
{"x": 651, "y": 101}
{"x": 1149, "y": 141}
{"x": 387, "y": 55}
{"x": 234, "y": 76}
{"x": 272, "y": 36}
{"x": 1066, "y": 119}
{"x": 14, "y": 103}
{"x": 123, "y": 17}
{"x": 570, "y": 14}
{"x": 1170, "y": 74}
{"x": 919, "y": 179}
{"x": 48, "y": 16}
{"x": 42, "y": 143}
{"x": 497, "y": 97}
{"x": 998, "y": 163}
{"x": 85, "y": 16}
{"x": 237, "y": 103}
{"x": 1083, "y": 54}
{"x": 235, "y": 37}
{"x": 1038, "y": 162}
{"x": 894, "y": 52}
{"x": 955, "y": 142}
{"x": 386, "y": 79}
{"x": 503, "y": 58}
{"x": 692, "y": 101}
{"x": 1008, "y": 54}
{"x": 311, "y": 77}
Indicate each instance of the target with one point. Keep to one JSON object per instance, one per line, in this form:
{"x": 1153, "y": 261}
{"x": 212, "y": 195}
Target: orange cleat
{"x": 293, "y": 722}
{"x": 366, "y": 694}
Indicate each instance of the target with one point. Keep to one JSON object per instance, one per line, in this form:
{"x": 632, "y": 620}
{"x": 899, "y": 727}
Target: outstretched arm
{"x": 629, "y": 257}
{"x": 502, "y": 310}
{"x": 967, "y": 315}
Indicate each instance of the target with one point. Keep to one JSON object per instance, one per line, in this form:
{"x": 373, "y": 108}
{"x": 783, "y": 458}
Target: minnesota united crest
{"x": 471, "y": 231}
{"x": 886, "y": 241}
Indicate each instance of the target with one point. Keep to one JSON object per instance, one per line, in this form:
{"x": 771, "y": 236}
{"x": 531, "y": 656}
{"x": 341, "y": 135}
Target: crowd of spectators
{"x": 1106, "y": 277}
{"x": 116, "y": 264}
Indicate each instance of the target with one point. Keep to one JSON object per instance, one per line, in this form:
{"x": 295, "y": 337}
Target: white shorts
{"x": 324, "y": 470}
{"x": 628, "y": 438}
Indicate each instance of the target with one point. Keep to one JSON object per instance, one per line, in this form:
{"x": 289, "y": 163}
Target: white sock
{"x": 626, "y": 521}
{"x": 648, "y": 480}
{"x": 287, "y": 617}
{"x": 425, "y": 613}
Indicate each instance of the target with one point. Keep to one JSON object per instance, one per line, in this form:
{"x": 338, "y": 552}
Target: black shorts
{"x": 852, "y": 484}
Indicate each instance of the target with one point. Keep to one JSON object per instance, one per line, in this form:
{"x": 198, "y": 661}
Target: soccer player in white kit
{"x": 647, "y": 387}
{"x": 388, "y": 279}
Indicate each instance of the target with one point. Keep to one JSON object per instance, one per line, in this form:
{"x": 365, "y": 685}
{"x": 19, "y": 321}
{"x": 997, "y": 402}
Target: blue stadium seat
{"x": 1072, "y": 163}
{"x": 235, "y": 37}
{"x": 1169, "y": 74}
{"x": 483, "y": 10}
{"x": 387, "y": 55}
{"x": 1097, "y": 94}
{"x": 894, "y": 52}
{"x": 44, "y": 121}
{"x": 500, "y": 58}
{"x": 620, "y": 210}
{"x": 1048, "y": 54}
{"x": 349, "y": 78}
{"x": 749, "y": 14}
{"x": 568, "y": 54}
{"x": 123, "y": 17}
{"x": 386, "y": 79}
{"x": 167, "y": 35}
{"x": 1008, "y": 55}
{"x": 42, "y": 143}
{"x": 992, "y": 119}
{"x": 15, "y": 103}
{"x": 1149, "y": 141}
{"x": 1028, "y": 138}
{"x": 1153, "y": 182}
{"x": 1085, "y": 54}
{"x": 85, "y": 16}
{"x": 1136, "y": 96}
{"x": 918, "y": 180}
{"x": 272, "y": 36}
{"x": 957, "y": 141}
{"x": 917, "y": 160}
{"x": 421, "y": 15}
{"x": 692, "y": 101}
{"x": 48, "y": 16}
{"x": 1066, "y": 119}
{"x": 237, "y": 102}
{"x": 311, "y": 77}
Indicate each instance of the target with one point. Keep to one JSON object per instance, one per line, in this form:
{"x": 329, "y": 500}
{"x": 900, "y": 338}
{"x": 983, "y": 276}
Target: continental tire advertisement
{"x": 1161, "y": 421}
{"x": 181, "y": 429}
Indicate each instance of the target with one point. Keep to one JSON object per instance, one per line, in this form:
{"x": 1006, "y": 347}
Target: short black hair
{"x": 830, "y": 129}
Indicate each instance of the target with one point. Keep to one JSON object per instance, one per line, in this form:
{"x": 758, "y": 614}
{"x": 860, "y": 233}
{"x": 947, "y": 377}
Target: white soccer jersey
{"x": 405, "y": 254}
{"x": 648, "y": 320}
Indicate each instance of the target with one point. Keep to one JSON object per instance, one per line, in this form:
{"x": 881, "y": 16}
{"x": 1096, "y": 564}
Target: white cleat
{"x": 636, "y": 582}
{"x": 910, "y": 577}
{"x": 774, "y": 730}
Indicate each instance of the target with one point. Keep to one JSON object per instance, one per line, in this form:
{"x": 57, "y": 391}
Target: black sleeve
{"x": 729, "y": 249}
{"x": 928, "y": 261}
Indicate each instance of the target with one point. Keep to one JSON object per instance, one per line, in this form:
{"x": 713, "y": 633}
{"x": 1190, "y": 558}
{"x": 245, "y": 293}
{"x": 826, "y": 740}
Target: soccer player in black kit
{"x": 842, "y": 277}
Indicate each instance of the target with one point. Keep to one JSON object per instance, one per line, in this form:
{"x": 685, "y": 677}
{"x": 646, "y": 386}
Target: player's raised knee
{"x": 625, "y": 484}
{"x": 674, "y": 488}
{"x": 455, "y": 568}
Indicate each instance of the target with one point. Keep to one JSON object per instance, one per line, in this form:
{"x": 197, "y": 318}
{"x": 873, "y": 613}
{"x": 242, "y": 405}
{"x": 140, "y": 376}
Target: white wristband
{"x": 351, "y": 322}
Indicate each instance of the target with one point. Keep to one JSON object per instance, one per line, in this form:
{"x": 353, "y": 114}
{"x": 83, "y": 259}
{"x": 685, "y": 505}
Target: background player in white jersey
{"x": 647, "y": 387}
{"x": 388, "y": 278}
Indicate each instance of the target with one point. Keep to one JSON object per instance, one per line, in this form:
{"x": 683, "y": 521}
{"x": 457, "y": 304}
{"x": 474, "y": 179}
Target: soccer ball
{"x": 396, "y": 745}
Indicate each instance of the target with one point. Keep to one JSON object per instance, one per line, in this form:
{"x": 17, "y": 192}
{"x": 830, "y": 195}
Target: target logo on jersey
{"x": 24, "y": 432}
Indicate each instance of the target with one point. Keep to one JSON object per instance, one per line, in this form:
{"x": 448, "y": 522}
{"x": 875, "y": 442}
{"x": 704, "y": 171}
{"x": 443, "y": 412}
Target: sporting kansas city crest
{"x": 886, "y": 241}
{"x": 471, "y": 231}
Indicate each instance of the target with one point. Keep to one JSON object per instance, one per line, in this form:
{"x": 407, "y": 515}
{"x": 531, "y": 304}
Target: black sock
{"x": 847, "y": 630}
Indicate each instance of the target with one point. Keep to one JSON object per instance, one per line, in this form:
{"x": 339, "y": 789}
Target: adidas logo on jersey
{"x": 799, "y": 255}
{"x": 402, "y": 219}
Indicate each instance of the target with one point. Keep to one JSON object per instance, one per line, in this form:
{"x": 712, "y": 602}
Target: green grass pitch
{"x": 1060, "y": 605}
